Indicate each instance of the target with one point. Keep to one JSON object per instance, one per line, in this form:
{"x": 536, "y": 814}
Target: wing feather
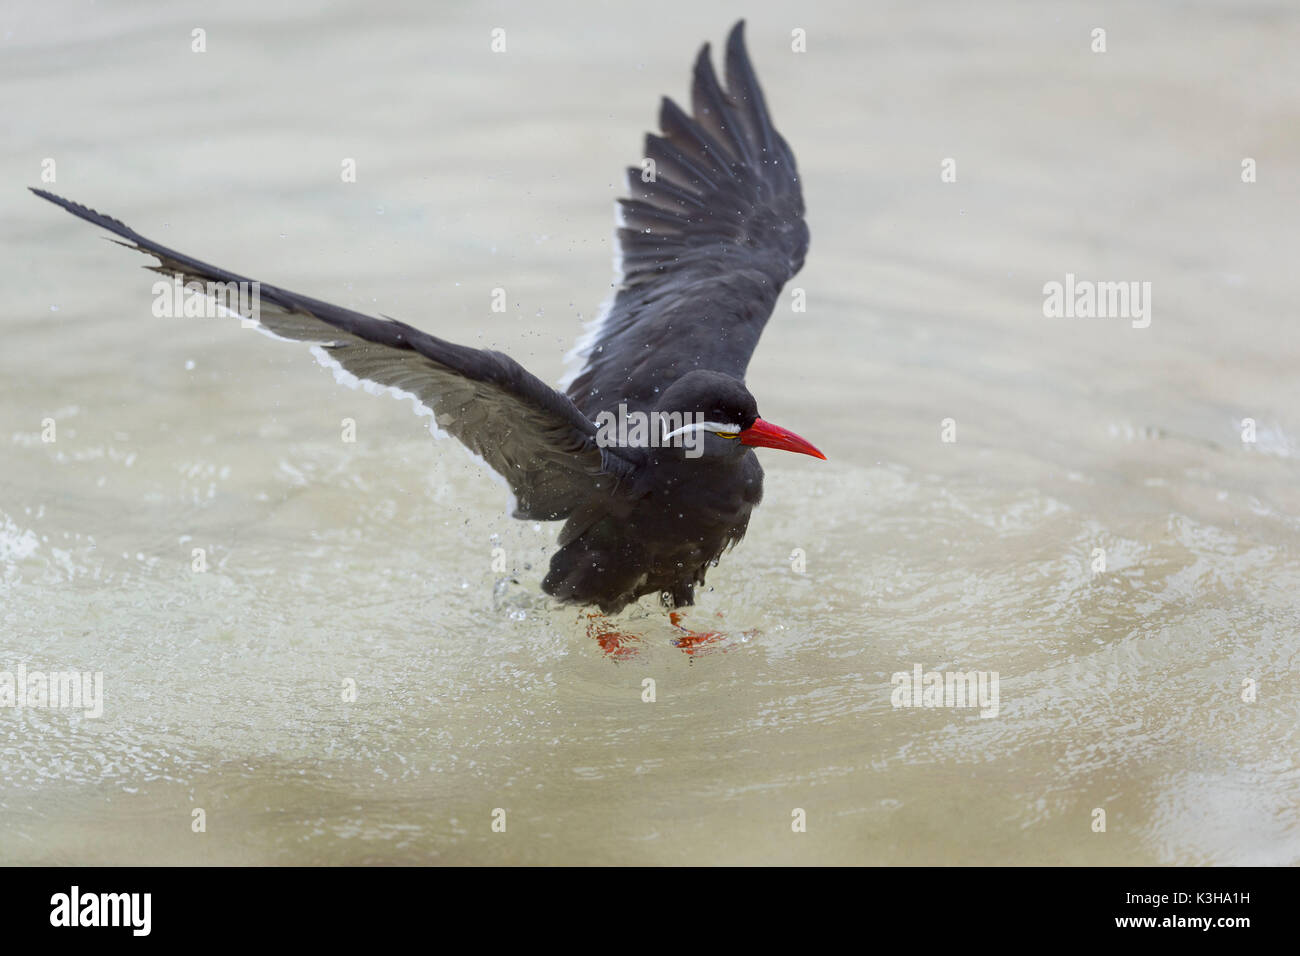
{"x": 706, "y": 244}
{"x": 528, "y": 433}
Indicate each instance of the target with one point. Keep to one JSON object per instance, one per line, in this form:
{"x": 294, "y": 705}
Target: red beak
{"x": 766, "y": 435}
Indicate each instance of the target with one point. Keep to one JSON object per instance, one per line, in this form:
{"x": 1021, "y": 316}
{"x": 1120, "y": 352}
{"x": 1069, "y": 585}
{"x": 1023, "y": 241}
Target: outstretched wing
{"x": 711, "y": 233}
{"x": 526, "y": 431}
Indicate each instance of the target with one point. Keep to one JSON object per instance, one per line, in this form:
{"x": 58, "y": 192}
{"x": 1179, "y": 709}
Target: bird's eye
{"x": 727, "y": 434}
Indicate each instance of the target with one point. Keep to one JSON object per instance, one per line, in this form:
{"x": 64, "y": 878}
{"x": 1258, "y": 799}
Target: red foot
{"x": 693, "y": 641}
{"x": 615, "y": 645}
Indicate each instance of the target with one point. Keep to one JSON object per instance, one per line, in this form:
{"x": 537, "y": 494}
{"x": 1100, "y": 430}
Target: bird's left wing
{"x": 527, "y": 432}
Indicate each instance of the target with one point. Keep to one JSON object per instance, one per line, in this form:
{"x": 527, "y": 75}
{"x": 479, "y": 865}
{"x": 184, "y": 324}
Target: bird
{"x": 711, "y": 231}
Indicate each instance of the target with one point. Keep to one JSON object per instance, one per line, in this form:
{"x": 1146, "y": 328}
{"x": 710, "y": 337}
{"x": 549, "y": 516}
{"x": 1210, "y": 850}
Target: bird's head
{"x": 711, "y": 415}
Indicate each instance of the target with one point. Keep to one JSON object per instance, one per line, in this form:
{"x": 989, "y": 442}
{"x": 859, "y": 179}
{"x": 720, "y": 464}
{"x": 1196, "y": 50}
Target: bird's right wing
{"x": 527, "y": 432}
{"x": 711, "y": 234}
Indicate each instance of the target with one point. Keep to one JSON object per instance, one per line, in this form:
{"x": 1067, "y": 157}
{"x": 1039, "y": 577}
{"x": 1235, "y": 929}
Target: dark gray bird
{"x": 648, "y": 456}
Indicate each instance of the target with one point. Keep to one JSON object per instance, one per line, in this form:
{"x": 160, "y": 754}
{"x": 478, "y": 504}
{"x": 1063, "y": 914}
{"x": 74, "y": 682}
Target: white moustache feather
{"x": 702, "y": 426}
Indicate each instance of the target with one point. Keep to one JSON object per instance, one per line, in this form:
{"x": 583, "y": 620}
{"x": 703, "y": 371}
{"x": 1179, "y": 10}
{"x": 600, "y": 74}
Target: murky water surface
{"x": 372, "y": 561}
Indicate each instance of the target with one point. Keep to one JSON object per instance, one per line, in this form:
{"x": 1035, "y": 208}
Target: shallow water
{"x": 373, "y": 561}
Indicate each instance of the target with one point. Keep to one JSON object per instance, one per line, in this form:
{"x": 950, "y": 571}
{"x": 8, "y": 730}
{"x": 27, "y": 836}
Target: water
{"x": 372, "y": 562}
